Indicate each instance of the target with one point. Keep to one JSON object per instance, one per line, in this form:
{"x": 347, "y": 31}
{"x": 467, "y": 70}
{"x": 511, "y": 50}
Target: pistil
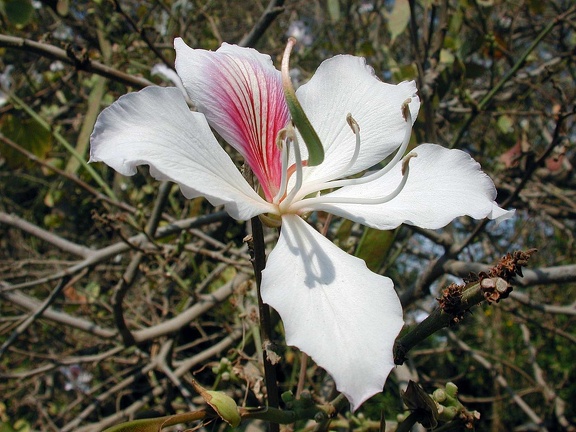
{"x": 292, "y": 140}
{"x": 284, "y": 154}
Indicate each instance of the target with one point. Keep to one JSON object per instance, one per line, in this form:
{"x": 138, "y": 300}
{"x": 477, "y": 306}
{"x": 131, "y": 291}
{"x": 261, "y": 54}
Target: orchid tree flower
{"x": 333, "y": 308}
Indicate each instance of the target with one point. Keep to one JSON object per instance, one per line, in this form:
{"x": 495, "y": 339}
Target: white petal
{"x": 155, "y": 127}
{"x": 240, "y": 93}
{"x": 442, "y": 185}
{"x": 333, "y": 308}
{"x": 345, "y": 84}
{"x": 168, "y": 74}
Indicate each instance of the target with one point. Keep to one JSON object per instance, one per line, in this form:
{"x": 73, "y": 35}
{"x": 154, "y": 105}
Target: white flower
{"x": 333, "y": 308}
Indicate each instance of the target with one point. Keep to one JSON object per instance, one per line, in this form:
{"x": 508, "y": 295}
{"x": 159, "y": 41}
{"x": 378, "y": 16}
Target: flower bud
{"x": 439, "y": 395}
{"x": 224, "y": 406}
{"x": 451, "y": 389}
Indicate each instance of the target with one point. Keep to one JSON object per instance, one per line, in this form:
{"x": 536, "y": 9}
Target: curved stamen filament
{"x": 322, "y": 184}
{"x": 356, "y": 129}
{"x": 344, "y": 171}
{"x": 284, "y": 149}
{"x": 291, "y": 139}
{"x": 310, "y": 203}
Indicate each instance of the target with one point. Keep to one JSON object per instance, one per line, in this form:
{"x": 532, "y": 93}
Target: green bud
{"x": 224, "y": 406}
{"x": 287, "y": 396}
{"x": 439, "y": 395}
{"x": 448, "y": 413}
{"x": 451, "y": 389}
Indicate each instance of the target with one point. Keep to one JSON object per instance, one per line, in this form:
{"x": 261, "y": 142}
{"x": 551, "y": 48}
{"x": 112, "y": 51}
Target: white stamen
{"x": 291, "y": 139}
{"x": 325, "y": 199}
{"x": 321, "y": 185}
{"x": 285, "y": 150}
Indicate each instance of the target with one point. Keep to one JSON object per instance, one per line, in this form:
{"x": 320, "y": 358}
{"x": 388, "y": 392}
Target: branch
{"x": 47, "y": 236}
{"x": 500, "y": 380}
{"x": 456, "y": 300}
{"x": 135, "y": 242}
{"x": 257, "y": 247}
{"x": 531, "y": 277}
{"x": 275, "y": 8}
{"x": 124, "y": 414}
{"x": 68, "y": 57}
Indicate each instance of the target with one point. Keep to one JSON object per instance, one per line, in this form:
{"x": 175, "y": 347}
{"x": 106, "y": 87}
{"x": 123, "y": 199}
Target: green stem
{"x": 437, "y": 320}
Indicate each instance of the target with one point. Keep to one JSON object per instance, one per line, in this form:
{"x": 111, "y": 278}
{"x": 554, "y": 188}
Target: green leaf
{"x": 398, "y": 19}
{"x": 375, "y": 246}
{"x": 27, "y": 133}
{"x": 18, "y": 12}
{"x": 299, "y": 118}
{"x": 334, "y": 10}
{"x": 309, "y": 135}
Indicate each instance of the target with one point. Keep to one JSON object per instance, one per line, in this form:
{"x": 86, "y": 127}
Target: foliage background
{"x": 100, "y": 322}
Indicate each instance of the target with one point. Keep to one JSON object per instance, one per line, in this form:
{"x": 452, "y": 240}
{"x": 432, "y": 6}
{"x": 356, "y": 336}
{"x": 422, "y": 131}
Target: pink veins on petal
{"x": 255, "y": 106}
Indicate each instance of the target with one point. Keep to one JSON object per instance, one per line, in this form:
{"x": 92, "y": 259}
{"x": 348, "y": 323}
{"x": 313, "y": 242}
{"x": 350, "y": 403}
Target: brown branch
{"x": 456, "y": 300}
{"x": 135, "y": 242}
{"x": 257, "y": 247}
{"x": 143, "y": 36}
{"x": 47, "y": 236}
{"x": 158, "y": 390}
{"x": 68, "y": 57}
{"x": 274, "y": 8}
{"x": 99, "y": 195}
{"x": 500, "y": 380}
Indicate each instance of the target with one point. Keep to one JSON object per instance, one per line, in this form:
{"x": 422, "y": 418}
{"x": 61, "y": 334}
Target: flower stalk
{"x": 258, "y": 253}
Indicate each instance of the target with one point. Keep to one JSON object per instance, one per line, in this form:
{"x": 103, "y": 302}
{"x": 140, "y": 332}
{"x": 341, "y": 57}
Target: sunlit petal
{"x": 155, "y": 127}
{"x": 345, "y": 85}
{"x": 240, "y": 93}
{"x": 333, "y": 308}
{"x": 442, "y": 185}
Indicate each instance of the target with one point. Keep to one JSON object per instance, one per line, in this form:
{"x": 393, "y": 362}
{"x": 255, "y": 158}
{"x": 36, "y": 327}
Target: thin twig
{"x": 28, "y": 322}
{"x": 274, "y": 8}
{"x": 84, "y": 64}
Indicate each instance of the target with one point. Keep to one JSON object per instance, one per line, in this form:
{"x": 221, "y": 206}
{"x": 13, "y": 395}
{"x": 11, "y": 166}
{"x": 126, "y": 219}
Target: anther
{"x": 405, "y": 161}
{"x": 352, "y": 123}
{"x": 406, "y": 108}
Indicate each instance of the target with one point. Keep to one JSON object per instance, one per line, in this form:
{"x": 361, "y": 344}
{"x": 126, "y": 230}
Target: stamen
{"x": 291, "y": 139}
{"x": 356, "y": 129}
{"x": 399, "y": 154}
{"x": 309, "y": 203}
{"x": 284, "y": 149}
{"x": 323, "y": 184}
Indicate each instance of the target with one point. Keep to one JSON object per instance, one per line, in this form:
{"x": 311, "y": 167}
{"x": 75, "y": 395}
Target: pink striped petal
{"x": 240, "y": 93}
{"x": 155, "y": 127}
